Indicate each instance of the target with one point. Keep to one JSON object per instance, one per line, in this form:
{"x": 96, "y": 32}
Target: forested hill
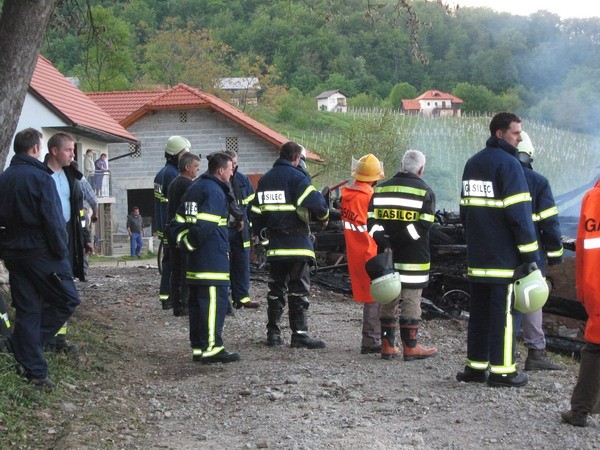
{"x": 540, "y": 66}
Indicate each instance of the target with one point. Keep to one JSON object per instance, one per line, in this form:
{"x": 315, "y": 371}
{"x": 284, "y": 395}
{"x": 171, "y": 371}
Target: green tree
{"x": 475, "y": 98}
{"x": 399, "y": 92}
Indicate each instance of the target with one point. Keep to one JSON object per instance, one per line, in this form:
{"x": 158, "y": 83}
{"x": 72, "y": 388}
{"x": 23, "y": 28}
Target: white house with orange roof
{"x": 53, "y": 104}
{"x": 433, "y": 104}
{"x": 209, "y": 123}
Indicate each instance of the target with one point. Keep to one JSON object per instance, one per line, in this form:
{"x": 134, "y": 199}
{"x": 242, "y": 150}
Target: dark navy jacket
{"x": 495, "y": 208}
{"x": 243, "y": 192}
{"x": 200, "y": 227}
{"x": 31, "y": 219}
{"x": 280, "y": 192}
{"x": 162, "y": 180}
{"x": 545, "y": 219}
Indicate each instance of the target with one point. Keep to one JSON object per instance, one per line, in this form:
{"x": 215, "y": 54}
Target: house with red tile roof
{"x": 53, "y": 104}
{"x": 208, "y": 122}
{"x": 433, "y": 104}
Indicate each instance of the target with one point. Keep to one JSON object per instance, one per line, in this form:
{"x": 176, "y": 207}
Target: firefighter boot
{"x": 537, "y": 360}
{"x": 299, "y": 326}
{"x": 273, "y": 331}
{"x": 388, "y": 334}
{"x": 411, "y": 348}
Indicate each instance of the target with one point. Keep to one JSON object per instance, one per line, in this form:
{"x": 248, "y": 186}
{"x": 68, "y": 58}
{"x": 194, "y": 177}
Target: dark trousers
{"x": 179, "y": 291}
{"x": 207, "y": 310}
{"x": 490, "y": 337}
{"x": 165, "y": 279}
{"x": 289, "y": 278}
{"x": 44, "y": 297}
{"x": 586, "y": 394}
{"x": 239, "y": 263}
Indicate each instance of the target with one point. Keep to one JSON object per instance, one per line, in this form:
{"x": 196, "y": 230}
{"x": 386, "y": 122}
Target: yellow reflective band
{"x": 490, "y": 273}
{"x": 478, "y": 201}
{"x": 159, "y": 234}
{"x": 246, "y": 244}
{"x": 163, "y": 297}
{"x": 528, "y": 248}
{"x": 396, "y": 214}
{"x": 503, "y": 369}
{"x": 181, "y": 235}
{"x": 62, "y": 331}
{"x": 556, "y": 253}
{"x": 212, "y": 352}
{"x": 517, "y": 198}
{"x": 552, "y": 211}
{"x": 5, "y": 319}
{"x": 276, "y": 208}
{"x": 196, "y": 352}
{"x": 291, "y": 252}
{"x": 412, "y": 267}
{"x": 307, "y": 191}
{"x": 244, "y": 300}
{"x": 248, "y": 199}
{"x": 216, "y": 276}
{"x": 187, "y": 243}
{"x": 208, "y": 217}
{"x": 255, "y": 209}
{"x": 179, "y": 218}
{"x": 477, "y": 365}
{"x": 427, "y": 217}
{"x": 402, "y": 189}
{"x": 507, "y": 361}
{"x": 370, "y": 215}
{"x": 212, "y": 318}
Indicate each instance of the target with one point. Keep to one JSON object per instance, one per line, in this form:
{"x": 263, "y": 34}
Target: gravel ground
{"x": 155, "y": 396}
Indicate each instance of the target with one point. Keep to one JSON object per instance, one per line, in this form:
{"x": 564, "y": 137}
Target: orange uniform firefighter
{"x": 360, "y": 246}
{"x": 586, "y": 394}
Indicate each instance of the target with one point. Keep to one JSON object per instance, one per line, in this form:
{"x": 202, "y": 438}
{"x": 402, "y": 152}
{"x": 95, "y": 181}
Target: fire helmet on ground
{"x": 176, "y": 144}
{"x": 525, "y": 149}
{"x": 385, "y": 281}
{"x": 531, "y": 292}
{"x": 367, "y": 168}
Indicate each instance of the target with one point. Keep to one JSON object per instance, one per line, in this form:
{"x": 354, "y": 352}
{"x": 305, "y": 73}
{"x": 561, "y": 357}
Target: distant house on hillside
{"x": 334, "y": 101}
{"x": 210, "y": 123}
{"x": 434, "y": 104}
{"x": 53, "y": 104}
{"x": 243, "y": 91}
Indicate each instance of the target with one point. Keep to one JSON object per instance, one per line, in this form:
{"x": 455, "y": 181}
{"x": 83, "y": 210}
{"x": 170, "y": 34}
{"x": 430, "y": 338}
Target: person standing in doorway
{"x": 101, "y": 168}
{"x": 135, "y": 229}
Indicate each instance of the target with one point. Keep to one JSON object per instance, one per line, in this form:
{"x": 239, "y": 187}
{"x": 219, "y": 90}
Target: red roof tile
{"x": 72, "y": 105}
{"x": 129, "y": 107}
{"x": 410, "y": 105}
{"x": 437, "y": 95}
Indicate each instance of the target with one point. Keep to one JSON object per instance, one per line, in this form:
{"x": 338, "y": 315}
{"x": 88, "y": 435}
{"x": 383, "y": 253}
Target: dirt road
{"x": 154, "y": 396}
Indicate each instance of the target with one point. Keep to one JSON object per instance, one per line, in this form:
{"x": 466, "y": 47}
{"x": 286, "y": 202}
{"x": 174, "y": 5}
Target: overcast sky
{"x": 564, "y": 8}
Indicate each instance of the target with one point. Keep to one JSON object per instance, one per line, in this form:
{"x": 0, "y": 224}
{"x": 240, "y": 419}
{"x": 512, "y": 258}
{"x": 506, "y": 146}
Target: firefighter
{"x": 401, "y": 214}
{"x": 586, "y": 394}
{"x": 175, "y": 147}
{"x": 239, "y": 239}
{"x": 495, "y": 209}
{"x": 276, "y": 211}
{"x": 201, "y": 228}
{"x": 547, "y": 228}
{"x": 360, "y": 246}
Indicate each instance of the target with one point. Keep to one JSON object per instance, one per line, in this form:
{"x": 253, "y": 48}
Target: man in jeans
{"x": 135, "y": 229}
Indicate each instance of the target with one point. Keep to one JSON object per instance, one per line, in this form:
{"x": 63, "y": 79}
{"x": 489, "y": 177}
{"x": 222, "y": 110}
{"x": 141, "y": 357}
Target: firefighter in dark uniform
{"x": 401, "y": 214}
{"x": 200, "y": 227}
{"x": 33, "y": 245}
{"x": 176, "y": 145}
{"x": 496, "y": 211}
{"x": 282, "y": 193}
{"x": 239, "y": 239}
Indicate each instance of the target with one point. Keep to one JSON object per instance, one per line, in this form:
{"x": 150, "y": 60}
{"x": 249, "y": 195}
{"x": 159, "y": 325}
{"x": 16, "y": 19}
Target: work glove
{"x": 523, "y": 270}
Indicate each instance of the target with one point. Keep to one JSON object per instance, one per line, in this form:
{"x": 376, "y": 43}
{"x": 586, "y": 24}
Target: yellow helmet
{"x": 367, "y": 168}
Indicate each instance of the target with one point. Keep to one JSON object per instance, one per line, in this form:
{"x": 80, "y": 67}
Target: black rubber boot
{"x": 299, "y": 326}
{"x": 273, "y": 330}
{"x": 388, "y": 339}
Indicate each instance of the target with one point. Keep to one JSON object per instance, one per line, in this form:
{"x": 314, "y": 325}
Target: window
{"x": 135, "y": 151}
{"x": 183, "y": 117}
{"x": 231, "y": 143}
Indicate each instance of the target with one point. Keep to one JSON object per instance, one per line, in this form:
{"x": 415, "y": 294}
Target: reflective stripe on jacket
{"x": 162, "y": 180}
{"x": 403, "y": 209}
{"x": 495, "y": 208}
{"x": 280, "y": 191}
{"x": 587, "y": 257}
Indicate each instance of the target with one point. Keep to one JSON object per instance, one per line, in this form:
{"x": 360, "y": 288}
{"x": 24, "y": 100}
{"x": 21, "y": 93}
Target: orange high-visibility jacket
{"x": 360, "y": 246}
{"x": 588, "y": 261}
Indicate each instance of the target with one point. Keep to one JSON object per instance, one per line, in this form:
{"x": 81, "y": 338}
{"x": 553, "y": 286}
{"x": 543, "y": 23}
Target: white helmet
{"x": 525, "y": 149}
{"x": 177, "y": 144}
